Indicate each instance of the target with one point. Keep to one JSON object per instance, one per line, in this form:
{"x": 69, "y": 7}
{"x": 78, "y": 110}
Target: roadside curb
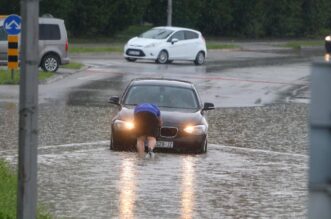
{"x": 61, "y": 75}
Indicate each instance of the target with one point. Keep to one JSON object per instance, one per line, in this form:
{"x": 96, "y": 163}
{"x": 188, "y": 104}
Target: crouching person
{"x": 147, "y": 120}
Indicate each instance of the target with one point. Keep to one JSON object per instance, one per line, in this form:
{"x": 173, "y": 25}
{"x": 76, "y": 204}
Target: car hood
{"x": 141, "y": 42}
{"x": 169, "y": 117}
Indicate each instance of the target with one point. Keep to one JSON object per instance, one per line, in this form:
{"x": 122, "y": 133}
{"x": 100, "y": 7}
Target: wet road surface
{"x": 90, "y": 181}
{"x": 256, "y": 170}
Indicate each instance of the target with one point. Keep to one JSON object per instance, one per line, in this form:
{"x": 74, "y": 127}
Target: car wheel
{"x": 200, "y": 58}
{"x": 130, "y": 59}
{"x": 328, "y": 47}
{"x": 113, "y": 144}
{"x": 203, "y": 148}
{"x": 50, "y": 63}
{"x": 162, "y": 57}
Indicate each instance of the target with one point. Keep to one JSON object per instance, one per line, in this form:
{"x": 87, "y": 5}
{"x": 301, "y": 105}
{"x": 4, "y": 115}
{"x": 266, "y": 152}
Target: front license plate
{"x": 164, "y": 144}
{"x": 134, "y": 53}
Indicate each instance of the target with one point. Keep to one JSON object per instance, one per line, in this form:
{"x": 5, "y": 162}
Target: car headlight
{"x": 195, "y": 130}
{"x": 150, "y": 45}
{"x": 328, "y": 38}
{"x": 123, "y": 125}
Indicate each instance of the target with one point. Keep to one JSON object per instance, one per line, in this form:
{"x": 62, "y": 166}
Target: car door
{"x": 3, "y": 45}
{"x": 192, "y": 44}
{"x": 177, "y": 49}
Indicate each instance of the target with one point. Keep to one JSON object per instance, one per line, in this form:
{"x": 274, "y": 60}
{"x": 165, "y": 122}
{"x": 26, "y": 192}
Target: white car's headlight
{"x": 150, "y": 45}
{"x": 328, "y": 38}
{"x": 195, "y": 130}
{"x": 123, "y": 125}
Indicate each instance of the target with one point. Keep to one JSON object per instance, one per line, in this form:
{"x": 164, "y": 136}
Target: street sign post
{"x": 12, "y": 25}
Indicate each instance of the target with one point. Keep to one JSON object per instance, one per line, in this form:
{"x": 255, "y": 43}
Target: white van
{"x": 53, "y": 44}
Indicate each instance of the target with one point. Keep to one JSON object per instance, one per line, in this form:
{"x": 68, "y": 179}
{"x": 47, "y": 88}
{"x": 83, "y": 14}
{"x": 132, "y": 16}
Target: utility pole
{"x": 28, "y": 112}
{"x": 169, "y": 13}
{"x": 320, "y": 142}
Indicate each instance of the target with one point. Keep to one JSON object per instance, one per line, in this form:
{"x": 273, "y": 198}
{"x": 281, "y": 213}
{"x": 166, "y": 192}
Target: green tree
{"x": 58, "y": 8}
{"x": 248, "y": 17}
{"x": 187, "y": 13}
{"x": 283, "y": 18}
{"x": 317, "y": 16}
{"x": 8, "y": 7}
{"x": 216, "y": 17}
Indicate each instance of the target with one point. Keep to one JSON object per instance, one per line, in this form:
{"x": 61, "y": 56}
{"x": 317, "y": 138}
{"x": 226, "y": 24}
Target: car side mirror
{"x": 174, "y": 40}
{"x": 114, "y": 100}
{"x": 208, "y": 106}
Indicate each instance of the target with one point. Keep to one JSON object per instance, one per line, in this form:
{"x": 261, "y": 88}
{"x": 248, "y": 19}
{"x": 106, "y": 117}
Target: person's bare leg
{"x": 141, "y": 145}
{"x": 151, "y": 142}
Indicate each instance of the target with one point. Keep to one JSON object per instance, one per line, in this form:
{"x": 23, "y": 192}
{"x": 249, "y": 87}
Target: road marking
{"x": 63, "y": 145}
{"x": 213, "y": 146}
{"x": 259, "y": 150}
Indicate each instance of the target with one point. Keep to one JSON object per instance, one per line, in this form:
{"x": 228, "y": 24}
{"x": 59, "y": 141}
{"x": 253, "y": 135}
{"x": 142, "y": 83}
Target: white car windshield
{"x": 162, "y": 96}
{"x": 156, "y": 34}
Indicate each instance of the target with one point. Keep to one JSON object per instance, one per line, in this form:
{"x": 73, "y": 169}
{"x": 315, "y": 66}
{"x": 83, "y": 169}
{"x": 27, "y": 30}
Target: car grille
{"x": 169, "y": 132}
{"x": 135, "y": 52}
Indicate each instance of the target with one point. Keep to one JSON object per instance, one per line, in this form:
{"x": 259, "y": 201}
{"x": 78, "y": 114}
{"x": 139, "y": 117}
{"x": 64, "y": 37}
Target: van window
{"x": 3, "y": 34}
{"x": 49, "y": 32}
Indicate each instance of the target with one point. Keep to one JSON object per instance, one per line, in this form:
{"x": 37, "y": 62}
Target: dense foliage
{"x": 240, "y": 18}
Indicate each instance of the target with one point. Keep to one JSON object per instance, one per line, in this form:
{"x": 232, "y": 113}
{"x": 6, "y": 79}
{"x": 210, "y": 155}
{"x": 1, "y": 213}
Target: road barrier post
{"x": 320, "y": 142}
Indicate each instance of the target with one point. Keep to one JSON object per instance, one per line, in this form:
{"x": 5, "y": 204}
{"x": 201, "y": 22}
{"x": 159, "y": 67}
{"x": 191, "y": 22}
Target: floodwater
{"x": 263, "y": 176}
{"x": 90, "y": 181}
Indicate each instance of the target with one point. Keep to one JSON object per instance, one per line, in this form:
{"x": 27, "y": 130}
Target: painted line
{"x": 178, "y": 75}
{"x": 260, "y": 151}
{"x": 213, "y": 145}
{"x": 63, "y": 145}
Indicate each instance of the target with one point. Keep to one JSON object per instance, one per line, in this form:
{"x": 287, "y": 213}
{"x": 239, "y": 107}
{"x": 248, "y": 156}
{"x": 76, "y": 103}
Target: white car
{"x": 166, "y": 44}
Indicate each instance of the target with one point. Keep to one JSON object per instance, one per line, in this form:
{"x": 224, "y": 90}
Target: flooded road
{"x": 90, "y": 181}
{"x": 255, "y": 167}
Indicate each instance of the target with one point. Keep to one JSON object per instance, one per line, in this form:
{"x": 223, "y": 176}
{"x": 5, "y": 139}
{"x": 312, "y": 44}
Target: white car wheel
{"x": 200, "y": 58}
{"x": 162, "y": 57}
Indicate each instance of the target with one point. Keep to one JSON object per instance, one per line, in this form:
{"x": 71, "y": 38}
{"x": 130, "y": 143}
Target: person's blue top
{"x": 147, "y": 107}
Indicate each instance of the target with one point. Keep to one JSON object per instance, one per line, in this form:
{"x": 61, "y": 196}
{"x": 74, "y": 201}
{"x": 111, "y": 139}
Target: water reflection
{"x": 327, "y": 57}
{"x": 187, "y": 188}
{"x": 128, "y": 189}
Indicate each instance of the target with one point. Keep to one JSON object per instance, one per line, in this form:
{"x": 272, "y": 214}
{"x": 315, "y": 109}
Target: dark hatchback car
{"x": 184, "y": 126}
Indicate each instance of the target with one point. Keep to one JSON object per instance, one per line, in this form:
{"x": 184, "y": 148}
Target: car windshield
{"x": 162, "y": 96}
{"x": 156, "y": 34}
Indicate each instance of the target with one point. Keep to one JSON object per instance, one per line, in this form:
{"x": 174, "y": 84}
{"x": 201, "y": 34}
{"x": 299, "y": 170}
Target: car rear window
{"x": 49, "y": 32}
{"x": 162, "y": 96}
{"x": 179, "y": 35}
{"x": 191, "y": 35}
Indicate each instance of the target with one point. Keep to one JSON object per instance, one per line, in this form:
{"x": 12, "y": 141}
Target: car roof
{"x": 175, "y": 28}
{"x": 162, "y": 81}
{"x": 42, "y": 20}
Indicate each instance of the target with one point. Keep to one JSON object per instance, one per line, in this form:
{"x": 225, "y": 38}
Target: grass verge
{"x": 6, "y": 76}
{"x": 303, "y": 43}
{"x": 216, "y": 45}
{"x": 73, "y": 65}
{"x": 87, "y": 48}
{"x": 8, "y": 190}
